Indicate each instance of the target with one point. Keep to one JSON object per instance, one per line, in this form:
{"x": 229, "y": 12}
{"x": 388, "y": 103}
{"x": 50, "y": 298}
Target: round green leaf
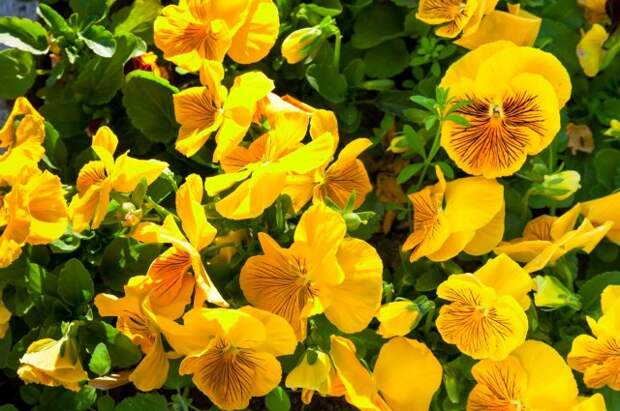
{"x": 17, "y": 73}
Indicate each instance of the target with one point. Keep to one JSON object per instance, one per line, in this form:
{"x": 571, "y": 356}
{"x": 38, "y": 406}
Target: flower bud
{"x": 559, "y": 186}
{"x": 301, "y": 43}
{"x": 552, "y": 294}
{"x": 398, "y": 318}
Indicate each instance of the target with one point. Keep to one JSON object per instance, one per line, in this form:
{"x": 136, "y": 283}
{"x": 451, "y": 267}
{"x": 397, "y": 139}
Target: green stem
{"x": 429, "y": 158}
{"x": 337, "y": 46}
{"x": 158, "y": 209}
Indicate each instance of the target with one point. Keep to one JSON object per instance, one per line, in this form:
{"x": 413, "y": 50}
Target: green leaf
{"x": 137, "y": 19}
{"x": 376, "y": 24}
{"x": 17, "y": 73}
{"x": 23, "y": 34}
{"x": 99, "y": 40}
{"x": 75, "y": 284}
{"x": 591, "y": 290}
{"x": 414, "y": 140}
{"x": 60, "y": 399}
{"x": 327, "y": 81}
{"x": 89, "y": 11}
{"x": 387, "y": 59}
{"x": 174, "y": 381}
{"x": 55, "y": 150}
{"x": 325, "y": 7}
{"x": 460, "y": 120}
{"x": 8, "y": 407}
{"x": 122, "y": 352}
{"x": 148, "y": 100}
{"x": 408, "y": 172}
{"x": 100, "y": 362}
{"x": 607, "y": 167}
{"x": 426, "y": 102}
{"x": 105, "y": 403}
{"x": 57, "y": 24}
{"x": 354, "y": 72}
{"x": 277, "y": 400}
{"x": 143, "y": 402}
{"x": 101, "y": 78}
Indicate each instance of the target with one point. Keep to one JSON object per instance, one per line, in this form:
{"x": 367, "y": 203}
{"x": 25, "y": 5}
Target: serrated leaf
{"x": 148, "y": 100}
{"x": 23, "y": 34}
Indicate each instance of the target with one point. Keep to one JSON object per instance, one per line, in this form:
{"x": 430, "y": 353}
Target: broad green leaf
{"x": 354, "y": 72}
{"x": 17, "y": 73}
{"x": 591, "y": 290}
{"x": 143, "y": 402}
{"x": 55, "y": 150}
{"x": 376, "y": 24}
{"x": 277, "y": 400}
{"x": 148, "y": 101}
{"x": 57, "y": 24}
{"x": 89, "y": 11}
{"x": 99, "y": 40}
{"x": 23, "y": 34}
{"x": 105, "y": 403}
{"x": 60, "y": 399}
{"x": 137, "y": 19}
{"x": 122, "y": 259}
{"x": 75, "y": 284}
{"x": 387, "y": 59}
{"x": 100, "y": 362}
{"x": 122, "y": 352}
{"x": 66, "y": 115}
{"x": 607, "y": 166}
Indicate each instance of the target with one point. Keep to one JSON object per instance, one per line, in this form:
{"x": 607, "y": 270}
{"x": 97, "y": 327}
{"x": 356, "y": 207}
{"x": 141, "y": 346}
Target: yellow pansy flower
{"x": 21, "y": 140}
{"x": 590, "y": 49}
{"x": 598, "y": 356}
{"x": 547, "y": 238}
{"x": 319, "y": 376}
{"x": 405, "y": 377}
{"x": 203, "y": 110}
{"x": 446, "y": 221}
{"x": 136, "y": 321}
{"x": 594, "y": 403}
{"x": 231, "y": 354}
{"x": 263, "y": 167}
{"x": 322, "y": 271}
{"x": 33, "y": 212}
{"x": 168, "y": 274}
{"x": 454, "y": 16}
{"x": 5, "y": 317}
{"x": 300, "y": 44}
{"x": 97, "y": 179}
{"x": 397, "y": 318}
{"x": 198, "y": 30}
{"x": 594, "y": 10}
{"x": 515, "y": 95}
{"x": 533, "y": 377}
{"x": 485, "y": 317}
{"x": 602, "y": 210}
{"x": 53, "y": 363}
{"x": 516, "y": 25}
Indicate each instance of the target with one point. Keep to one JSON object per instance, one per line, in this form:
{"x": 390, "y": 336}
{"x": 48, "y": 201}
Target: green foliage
{"x": 17, "y": 73}
{"x": 23, "y": 34}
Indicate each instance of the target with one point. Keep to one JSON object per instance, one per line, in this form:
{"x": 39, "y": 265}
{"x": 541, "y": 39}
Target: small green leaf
{"x": 89, "y": 11}
{"x": 99, "y": 40}
{"x": 148, "y": 100}
{"x": 460, "y": 120}
{"x": 75, "y": 284}
{"x": 591, "y": 290}
{"x": 277, "y": 400}
{"x": 57, "y": 24}
{"x": 426, "y": 102}
{"x": 408, "y": 172}
{"x": 414, "y": 140}
{"x": 23, "y": 34}
{"x": 100, "y": 362}
{"x": 17, "y": 73}
{"x": 143, "y": 402}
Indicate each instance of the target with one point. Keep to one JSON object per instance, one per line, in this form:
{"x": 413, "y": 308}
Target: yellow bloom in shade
{"x": 590, "y": 49}
{"x": 171, "y": 284}
{"x": 446, "y": 221}
{"x": 579, "y": 138}
{"x": 593, "y": 403}
{"x": 53, "y": 363}
{"x": 203, "y": 110}
{"x": 602, "y": 210}
{"x": 405, "y": 377}
{"x": 33, "y": 212}
{"x": 515, "y": 94}
{"x": 97, "y": 179}
{"x": 136, "y": 322}
{"x": 5, "y": 317}
{"x": 21, "y": 140}
{"x": 231, "y": 354}
{"x": 516, "y": 25}
{"x": 486, "y": 317}
{"x": 598, "y": 356}
{"x": 228, "y": 243}
{"x": 397, "y": 318}
{"x": 319, "y": 376}
{"x": 533, "y": 377}
{"x": 547, "y": 238}
{"x": 454, "y": 16}
{"x": 198, "y": 30}
{"x": 594, "y": 10}
{"x": 263, "y": 167}
{"x": 322, "y": 271}
{"x": 300, "y": 44}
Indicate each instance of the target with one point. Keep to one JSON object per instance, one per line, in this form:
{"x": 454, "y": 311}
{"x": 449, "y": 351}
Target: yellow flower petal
{"x": 198, "y": 230}
{"x": 129, "y": 171}
{"x": 590, "y": 49}
{"x": 152, "y": 371}
{"x": 258, "y": 33}
{"x": 507, "y": 278}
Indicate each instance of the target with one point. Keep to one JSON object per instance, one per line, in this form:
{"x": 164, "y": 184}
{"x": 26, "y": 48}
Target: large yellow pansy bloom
{"x": 601, "y": 210}
{"x": 533, "y": 377}
{"x": 515, "y": 95}
{"x": 21, "y": 140}
{"x": 53, "y": 363}
{"x": 598, "y": 356}
{"x": 231, "y": 354}
{"x": 203, "y": 110}
{"x": 97, "y": 179}
{"x": 322, "y": 271}
{"x": 168, "y": 274}
{"x": 136, "y": 321}
{"x": 454, "y": 16}
{"x": 547, "y": 238}
{"x": 33, "y": 212}
{"x": 405, "y": 377}
{"x": 198, "y": 30}
{"x": 485, "y": 317}
{"x": 263, "y": 167}
{"x": 446, "y": 221}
